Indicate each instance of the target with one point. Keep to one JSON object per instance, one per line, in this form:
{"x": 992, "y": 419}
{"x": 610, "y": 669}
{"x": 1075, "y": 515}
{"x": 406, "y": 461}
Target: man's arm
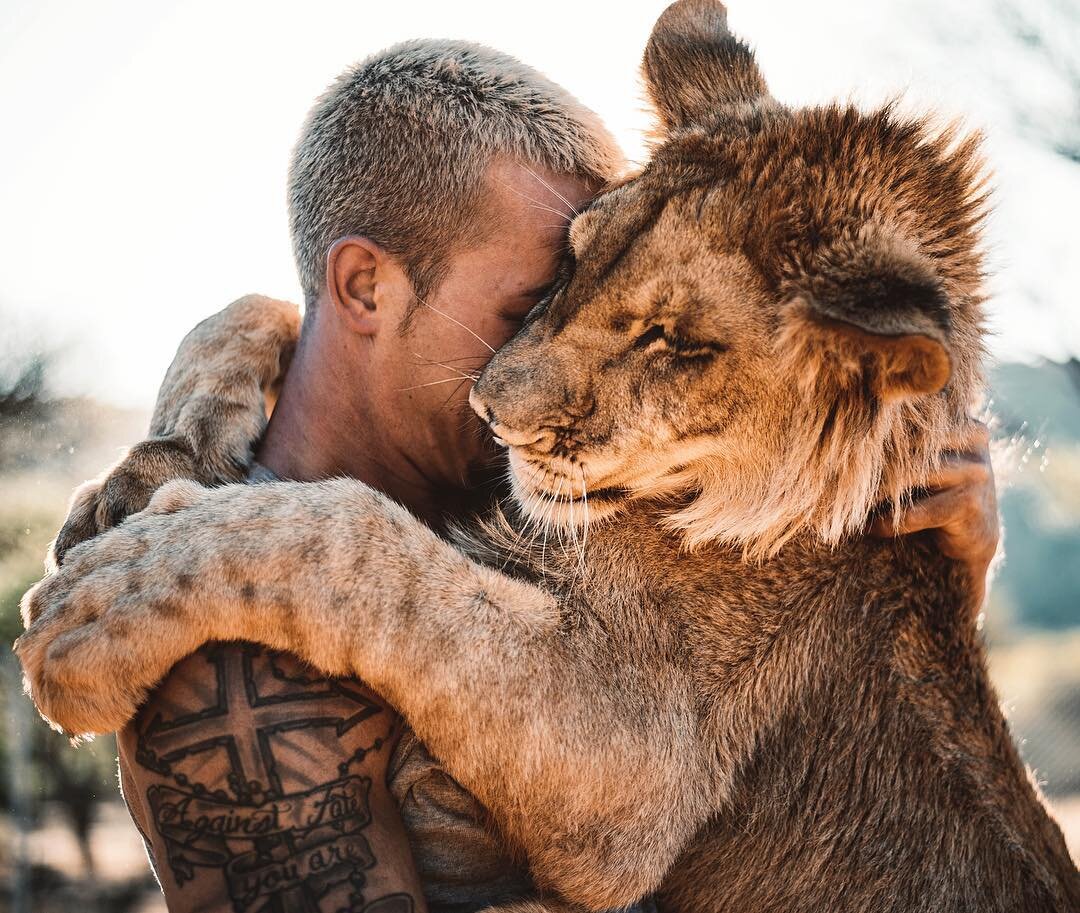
{"x": 248, "y": 776}
{"x": 254, "y": 779}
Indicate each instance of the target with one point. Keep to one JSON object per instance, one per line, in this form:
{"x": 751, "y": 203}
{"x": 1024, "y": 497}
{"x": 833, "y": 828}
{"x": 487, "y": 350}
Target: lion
{"x": 717, "y": 690}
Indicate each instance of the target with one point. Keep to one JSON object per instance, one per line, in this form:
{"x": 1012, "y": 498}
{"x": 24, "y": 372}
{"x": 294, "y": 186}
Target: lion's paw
{"x": 81, "y": 522}
{"x": 125, "y": 490}
{"x": 71, "y": 666}
{"x": 176, "y": 495}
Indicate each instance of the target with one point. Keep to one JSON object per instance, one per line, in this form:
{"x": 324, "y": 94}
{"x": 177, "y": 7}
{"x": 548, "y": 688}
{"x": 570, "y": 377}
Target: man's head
{"x": 430, "y": 192}
{"x": 396, "y": 150}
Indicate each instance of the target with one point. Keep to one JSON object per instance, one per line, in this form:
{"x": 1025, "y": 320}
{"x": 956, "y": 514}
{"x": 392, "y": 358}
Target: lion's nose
{"x": 486, "y": 413}
{"x": 504, "y": 434}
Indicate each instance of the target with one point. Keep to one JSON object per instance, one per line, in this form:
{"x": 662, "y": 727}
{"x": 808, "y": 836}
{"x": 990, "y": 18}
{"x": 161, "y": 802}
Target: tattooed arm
{"x": 259, "y": 784}
{"x": 256, "y": 783}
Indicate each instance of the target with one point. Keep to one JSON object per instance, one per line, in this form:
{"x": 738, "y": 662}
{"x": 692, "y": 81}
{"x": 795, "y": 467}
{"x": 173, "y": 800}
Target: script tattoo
{"x": 242, "y": 735}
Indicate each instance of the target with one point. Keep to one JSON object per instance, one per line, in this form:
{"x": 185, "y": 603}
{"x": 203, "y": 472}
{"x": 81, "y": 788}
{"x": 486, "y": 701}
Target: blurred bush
{"x": 1033, "y": 618}
{"x": 48, "y": 788}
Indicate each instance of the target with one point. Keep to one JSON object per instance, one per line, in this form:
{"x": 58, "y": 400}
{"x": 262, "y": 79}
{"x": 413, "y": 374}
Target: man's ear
{"x": 353, "y": 266}
{"x": 694, "y": 66}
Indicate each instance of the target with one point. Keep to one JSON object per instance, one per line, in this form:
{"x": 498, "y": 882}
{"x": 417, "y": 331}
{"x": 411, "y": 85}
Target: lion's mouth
{"x": 559, "y": 498}
{"x": 607, "y": 495}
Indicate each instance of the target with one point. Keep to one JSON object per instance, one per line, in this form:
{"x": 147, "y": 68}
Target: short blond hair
{"x": 397, "y": 147}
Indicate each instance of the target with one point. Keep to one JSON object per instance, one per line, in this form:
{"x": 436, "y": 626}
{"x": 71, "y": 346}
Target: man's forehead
{"x": 528, "y": 193}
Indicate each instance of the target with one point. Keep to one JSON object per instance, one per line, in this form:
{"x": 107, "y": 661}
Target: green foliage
{"x": 38, "y": 763}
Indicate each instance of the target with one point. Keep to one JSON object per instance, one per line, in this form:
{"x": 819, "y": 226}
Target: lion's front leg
{"x": 197, "y": 565}
{"x": 350, "y": 582}
{"x": 103, "y": 630}
{"x": 327, "y": 571}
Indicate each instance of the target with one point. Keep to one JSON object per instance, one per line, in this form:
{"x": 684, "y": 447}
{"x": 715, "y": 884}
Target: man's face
{"x": 477, "y": 307}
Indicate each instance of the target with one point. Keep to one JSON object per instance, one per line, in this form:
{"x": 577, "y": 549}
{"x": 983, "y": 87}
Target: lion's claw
{"x": 125, "y": 490}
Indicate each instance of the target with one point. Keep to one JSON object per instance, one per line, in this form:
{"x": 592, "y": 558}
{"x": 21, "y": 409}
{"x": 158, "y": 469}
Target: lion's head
{"x": 778, "y": 321}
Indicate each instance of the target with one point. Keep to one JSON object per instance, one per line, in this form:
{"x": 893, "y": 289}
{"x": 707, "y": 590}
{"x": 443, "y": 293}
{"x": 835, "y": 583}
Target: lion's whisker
{"x": 573, "y": 527}
{"x": 535, "y": 521}
{"x": 454, "y": 392}
{"x": 420, "y": 360}
{"x": 538, "y": 205}
{"x": 573, "y": 208}
{"x": 585, "y": 501}
{"x": 445, "y": 316}
{"x": 435, "y": 383}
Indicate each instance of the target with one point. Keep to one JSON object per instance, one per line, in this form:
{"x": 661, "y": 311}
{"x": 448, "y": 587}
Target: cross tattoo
{"x": 242, "y": 721}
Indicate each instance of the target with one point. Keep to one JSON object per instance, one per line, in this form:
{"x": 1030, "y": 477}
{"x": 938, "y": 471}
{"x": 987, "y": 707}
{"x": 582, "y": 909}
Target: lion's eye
{"x": 651, "y": 335}
{"x": 676, "y": 346}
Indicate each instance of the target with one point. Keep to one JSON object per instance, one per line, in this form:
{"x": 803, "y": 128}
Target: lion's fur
{"x": 812, "y": 730}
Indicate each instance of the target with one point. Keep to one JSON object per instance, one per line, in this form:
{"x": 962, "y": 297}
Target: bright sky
{"x": 142, "y": 171}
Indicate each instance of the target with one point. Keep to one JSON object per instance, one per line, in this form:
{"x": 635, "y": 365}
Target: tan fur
{"x": 813, "y": 730}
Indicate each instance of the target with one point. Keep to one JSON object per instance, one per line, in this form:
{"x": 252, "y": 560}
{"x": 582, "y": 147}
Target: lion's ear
{"x": 694, "y": 66}
{"x": 895, "y": 366}
{"x": 880, "y": 326}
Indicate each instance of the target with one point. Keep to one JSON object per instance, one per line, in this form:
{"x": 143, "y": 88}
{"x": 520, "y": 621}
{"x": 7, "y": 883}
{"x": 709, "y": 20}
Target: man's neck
{"x": 323, "y": 426}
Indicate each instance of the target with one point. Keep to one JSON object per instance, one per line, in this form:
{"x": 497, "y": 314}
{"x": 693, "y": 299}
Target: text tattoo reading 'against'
{"x": 248, "y": 794}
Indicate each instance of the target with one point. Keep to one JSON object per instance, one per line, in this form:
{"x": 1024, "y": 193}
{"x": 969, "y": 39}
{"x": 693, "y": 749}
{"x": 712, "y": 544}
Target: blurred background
{"x": 142, "y": 182}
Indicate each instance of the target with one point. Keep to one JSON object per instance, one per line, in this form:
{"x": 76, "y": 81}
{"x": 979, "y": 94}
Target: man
{"x": 433, "y": 179}
{"x": 429, "y": 194}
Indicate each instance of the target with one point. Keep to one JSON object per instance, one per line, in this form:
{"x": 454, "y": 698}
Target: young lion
{"x": 772, "y": 329}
